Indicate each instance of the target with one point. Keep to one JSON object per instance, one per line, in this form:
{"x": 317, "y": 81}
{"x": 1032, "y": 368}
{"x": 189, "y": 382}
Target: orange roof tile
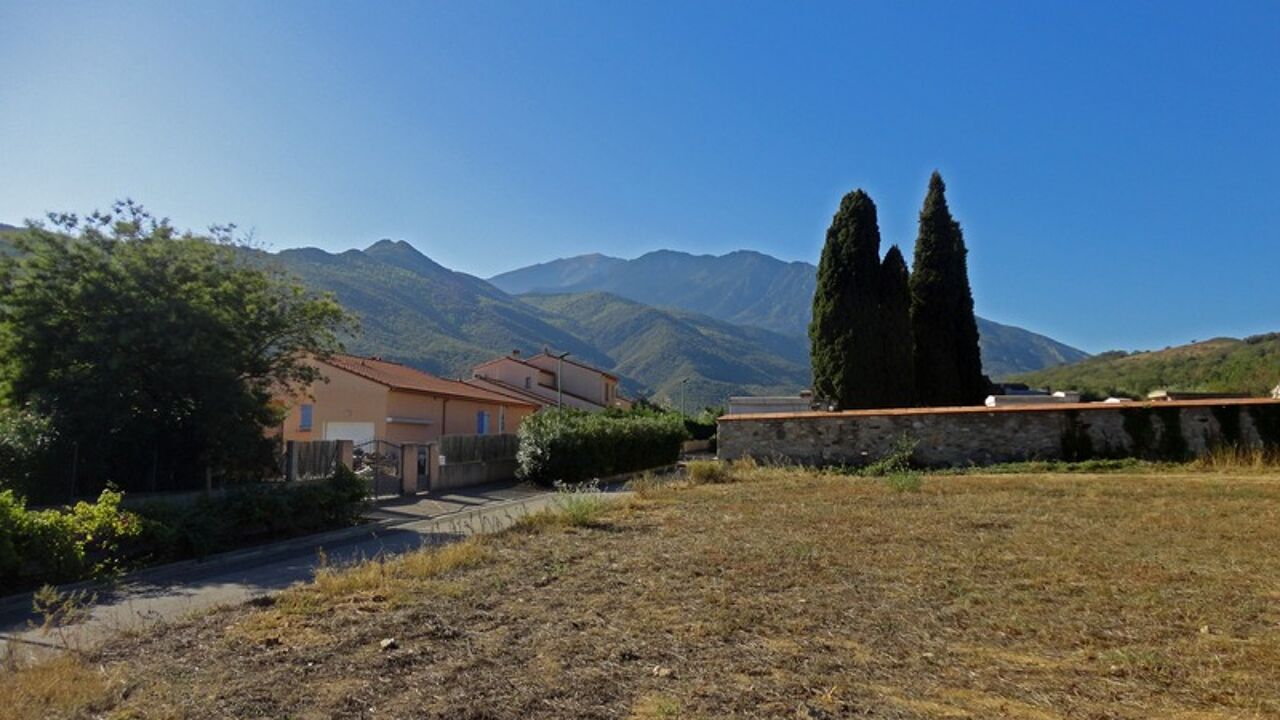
{"x": 503, "y": 388}
{"x": 403, "y": 377}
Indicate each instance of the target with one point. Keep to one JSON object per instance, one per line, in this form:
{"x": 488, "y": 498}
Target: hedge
{"x": 101, "y": 538}
{"x": 572, "y": 446}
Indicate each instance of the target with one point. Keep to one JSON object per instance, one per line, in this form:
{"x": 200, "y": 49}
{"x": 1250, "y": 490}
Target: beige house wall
{"x": 416, "y": 407}
{"x": 461, "y": 416}
{"x": 583, "y": 382}
{"x": 349, "y": 398}
{"x": 541, "y": 382}
{"x": 516, "y": 374}
{"x": 344, "y": 398}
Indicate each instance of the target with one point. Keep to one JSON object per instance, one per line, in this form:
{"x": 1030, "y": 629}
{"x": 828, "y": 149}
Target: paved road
{"x": 150, "y": 597}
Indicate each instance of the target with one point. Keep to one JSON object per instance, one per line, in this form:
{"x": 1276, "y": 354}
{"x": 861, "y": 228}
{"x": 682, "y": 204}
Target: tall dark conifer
{"x": 948, "y": 362}
{"x": 898, "y": 361}
{"x": 844, "y": 334}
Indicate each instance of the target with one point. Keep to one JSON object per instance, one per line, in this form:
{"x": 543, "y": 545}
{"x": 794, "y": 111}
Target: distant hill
{"x": 751, "y": 288}
{"x": 663, "y": 348}
{"x": 6, "y": 248}
{"x": 413, "y": 310}
{"x": 562, "y": 273}
{"x": 744, "y": 287}
{"x": 1250, "y": 366}
{"x": 1007, "y": 350}
{"x": 416, "y": 311}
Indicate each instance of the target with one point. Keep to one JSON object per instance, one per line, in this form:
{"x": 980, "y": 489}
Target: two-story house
{"x": 550, "y": 381}
{"x": 366, "y": 398}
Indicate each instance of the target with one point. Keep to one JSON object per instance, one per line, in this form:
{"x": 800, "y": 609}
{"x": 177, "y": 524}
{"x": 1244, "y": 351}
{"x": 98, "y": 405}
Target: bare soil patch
{"x": 784, "y": 594}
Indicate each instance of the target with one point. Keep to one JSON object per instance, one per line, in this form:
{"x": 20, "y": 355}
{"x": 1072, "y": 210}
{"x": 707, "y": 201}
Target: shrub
{"x": 571, "y": 446}
{"x": 101, "y": 538}
{"x": 701, "y": 426}
{"x": 25, "y": 438}
{"x": 581, "y": 505}
{"x": 899, "y": 459}
{"x": 258, "y": 513}
{"x": 710, "y": 472}
{"x": 51, "y": 546}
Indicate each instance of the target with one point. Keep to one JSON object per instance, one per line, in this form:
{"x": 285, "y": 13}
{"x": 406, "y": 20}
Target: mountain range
{"x": 413, "y": 310}
{"x": 671, "y": 325}
{"x": 754, "y": 289}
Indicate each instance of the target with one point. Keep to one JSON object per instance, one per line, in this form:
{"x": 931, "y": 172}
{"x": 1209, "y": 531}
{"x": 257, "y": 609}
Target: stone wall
{"x": 982, "y": 436}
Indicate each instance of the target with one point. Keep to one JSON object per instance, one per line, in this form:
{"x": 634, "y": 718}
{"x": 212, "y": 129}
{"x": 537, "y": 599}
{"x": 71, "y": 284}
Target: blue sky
{"x": 1114, "y": 165}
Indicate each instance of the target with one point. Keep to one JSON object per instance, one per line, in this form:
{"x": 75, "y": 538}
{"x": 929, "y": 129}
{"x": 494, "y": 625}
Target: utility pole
{"x": 682, "y": 382}
{"x": 560, "y": 378}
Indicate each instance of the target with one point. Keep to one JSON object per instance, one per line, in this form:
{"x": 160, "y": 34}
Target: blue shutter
{"x": 305, "y": 423}
{"x": 482, "y": 423}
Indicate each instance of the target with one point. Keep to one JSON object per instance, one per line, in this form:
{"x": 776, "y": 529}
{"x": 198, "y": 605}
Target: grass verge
{"x": 783, "y": 592}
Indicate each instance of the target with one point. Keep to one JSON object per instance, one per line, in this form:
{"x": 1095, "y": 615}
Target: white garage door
{"x": 357, "y": 432}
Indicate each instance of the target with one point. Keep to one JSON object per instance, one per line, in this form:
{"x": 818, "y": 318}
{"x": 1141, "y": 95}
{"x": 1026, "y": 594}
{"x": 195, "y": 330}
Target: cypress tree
{"x": 898, "y": 370}
{"x": 948, "y": 363}
{"x": 844, "y": 332}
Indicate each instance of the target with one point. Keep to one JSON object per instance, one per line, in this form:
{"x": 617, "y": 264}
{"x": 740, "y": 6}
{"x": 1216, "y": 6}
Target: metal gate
{"x": 378, "y": 461}
{"x": 424, "y": 468}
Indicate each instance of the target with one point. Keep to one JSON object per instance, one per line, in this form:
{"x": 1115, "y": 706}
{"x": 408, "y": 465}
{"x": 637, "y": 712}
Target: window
{"x": 502, "y": 420}
{"x": 528, "y": 382}
{"x": 305, "y": 423}
{"x": 482, "y": 423}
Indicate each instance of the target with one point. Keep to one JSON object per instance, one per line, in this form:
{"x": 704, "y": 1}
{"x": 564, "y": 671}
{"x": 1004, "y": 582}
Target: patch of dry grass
{"x": 1233, "y": 457}
{"x": 787, "y": 593}
{"x": 64, "y": 686}
{"x": 708, "y": 472}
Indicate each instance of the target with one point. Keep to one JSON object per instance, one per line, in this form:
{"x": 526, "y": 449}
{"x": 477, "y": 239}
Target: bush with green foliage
{"x": 571, "y": 446}
{"x": 703, "y": 425}
{"x": 155, "y": 353}
{"x": 49, "y": 546}
{"x": 25, "y": 438}
{"x": 101, "y": 538}
{"x": 899, "y": 459}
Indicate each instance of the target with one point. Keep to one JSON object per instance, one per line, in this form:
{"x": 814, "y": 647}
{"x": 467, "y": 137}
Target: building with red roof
{"x": 367, "y": 398}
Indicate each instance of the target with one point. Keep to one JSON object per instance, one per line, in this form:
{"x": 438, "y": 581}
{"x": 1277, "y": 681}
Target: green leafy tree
{"x": 844, "y": 334}
{"x": 948, "y": 362}
{"x": 154, "y": 353}
{"x": 898, "y": 370}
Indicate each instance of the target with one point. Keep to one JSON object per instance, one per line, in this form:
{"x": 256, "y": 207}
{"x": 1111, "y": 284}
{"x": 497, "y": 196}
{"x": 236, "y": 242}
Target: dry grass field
{"x": 775, "y": 593}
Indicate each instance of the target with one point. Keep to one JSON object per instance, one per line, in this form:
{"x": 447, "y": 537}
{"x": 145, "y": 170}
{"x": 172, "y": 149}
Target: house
{"x": 549, "y": 381}
{"x": 367, "y": 398}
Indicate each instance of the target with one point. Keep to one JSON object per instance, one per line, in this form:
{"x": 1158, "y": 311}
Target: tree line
{"x": 885, "y": 337}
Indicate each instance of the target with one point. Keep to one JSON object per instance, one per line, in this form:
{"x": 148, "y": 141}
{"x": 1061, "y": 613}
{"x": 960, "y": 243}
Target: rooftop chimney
{"x": 515, "y": 353}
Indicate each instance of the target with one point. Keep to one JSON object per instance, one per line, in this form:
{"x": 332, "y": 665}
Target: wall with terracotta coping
{"x": 983, "y": 436}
